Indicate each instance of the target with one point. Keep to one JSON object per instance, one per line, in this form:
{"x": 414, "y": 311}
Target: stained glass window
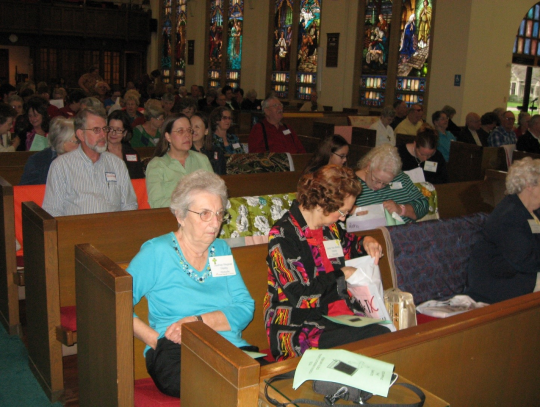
{"x": 166, "y": 32}
{"x": 416, "y": 18}
{"x": 281, "y": 61}
{"x": 378, "y": 18}
{"x": 234, "y": 48}
{"x": 309, "y": 31}
{"x": 215, "y": 52}
{"x": 526, "y": 43}
{"x": 180, "y": 46}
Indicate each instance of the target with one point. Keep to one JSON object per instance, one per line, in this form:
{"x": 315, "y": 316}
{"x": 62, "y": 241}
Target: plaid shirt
{"x": 500, "y": 136}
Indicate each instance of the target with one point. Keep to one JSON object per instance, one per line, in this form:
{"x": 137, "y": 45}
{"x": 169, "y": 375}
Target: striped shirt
{"x": 407, "y": 194}
{"x": 76, "y": 185}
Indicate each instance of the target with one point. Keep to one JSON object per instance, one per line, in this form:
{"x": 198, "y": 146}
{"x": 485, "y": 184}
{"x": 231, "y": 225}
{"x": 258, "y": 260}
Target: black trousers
{"x": 163, "y": 365}
{"x": 337, "y": 334}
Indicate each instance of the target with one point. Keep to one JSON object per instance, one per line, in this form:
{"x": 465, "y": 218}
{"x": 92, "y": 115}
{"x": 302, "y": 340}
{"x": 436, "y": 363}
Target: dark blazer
{"x": 453, "y": 128}
{"x": 133, "y": 161}
{"x": 528, "y": 143}
{"x": 37, "y": 167}
{"x": 466, "y": 137}
{"x": 505, "y": 259}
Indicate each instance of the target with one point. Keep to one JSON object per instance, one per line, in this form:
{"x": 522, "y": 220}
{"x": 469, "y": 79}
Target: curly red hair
{"x": 327, "y": 187}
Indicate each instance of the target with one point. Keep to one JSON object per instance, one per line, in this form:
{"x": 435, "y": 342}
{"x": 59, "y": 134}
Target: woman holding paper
{"x": 423, "y": 153}
{"x": 189, "y": 275}
{"x": 505, "y": 261}
{"x": 306, "y": 267}
{"x": 383, "y": 182}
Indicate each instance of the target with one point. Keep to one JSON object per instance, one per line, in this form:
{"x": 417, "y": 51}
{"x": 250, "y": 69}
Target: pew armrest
{"x": 233, "y": 374}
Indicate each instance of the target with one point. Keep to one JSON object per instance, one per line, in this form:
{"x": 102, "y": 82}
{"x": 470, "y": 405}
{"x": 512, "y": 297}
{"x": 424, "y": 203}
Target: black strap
{"x": 290, "y": 375}
{"x": 265, "y": 137}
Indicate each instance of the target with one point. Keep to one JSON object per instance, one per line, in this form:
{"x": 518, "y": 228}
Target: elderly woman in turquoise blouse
{"x": 220, "y": 122}
{"x": 189, "y": 275}
{"x": 173, "y": 160}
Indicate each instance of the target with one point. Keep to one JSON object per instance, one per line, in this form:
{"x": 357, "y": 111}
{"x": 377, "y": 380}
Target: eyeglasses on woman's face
{"x": 182, "y": 132}
{"x": 117, "y": 131}
{"x": 206, "y": 215}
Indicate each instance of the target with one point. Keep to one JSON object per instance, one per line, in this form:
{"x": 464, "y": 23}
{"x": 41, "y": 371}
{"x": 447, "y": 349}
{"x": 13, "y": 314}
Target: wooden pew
{"x": 518, "y": 155}
{"x": 469, "y": 162}
{"x": 12, "y": 165}
{"x": 9, "y": 297}
{"x": 487, "y": 356}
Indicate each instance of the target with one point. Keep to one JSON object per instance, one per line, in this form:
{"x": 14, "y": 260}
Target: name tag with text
{"x": 222, "y": 266}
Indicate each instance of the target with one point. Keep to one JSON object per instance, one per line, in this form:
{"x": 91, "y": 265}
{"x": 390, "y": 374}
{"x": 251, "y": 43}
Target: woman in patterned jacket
{"x": 306, "y": 269}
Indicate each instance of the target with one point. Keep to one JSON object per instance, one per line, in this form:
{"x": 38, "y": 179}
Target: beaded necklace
{"x": 184, "y": 266}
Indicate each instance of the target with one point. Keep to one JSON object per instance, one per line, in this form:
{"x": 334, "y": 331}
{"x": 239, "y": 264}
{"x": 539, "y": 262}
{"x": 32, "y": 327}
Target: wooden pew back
{"x": 9, "y": 299}
{"x": 12, "y": 165}
{"x": 105, "y": 326}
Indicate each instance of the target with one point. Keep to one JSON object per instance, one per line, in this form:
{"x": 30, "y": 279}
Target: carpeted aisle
{"x": 18, "y": 387}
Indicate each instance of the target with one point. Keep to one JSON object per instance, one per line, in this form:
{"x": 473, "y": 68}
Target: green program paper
{"x": 341, "y": 366}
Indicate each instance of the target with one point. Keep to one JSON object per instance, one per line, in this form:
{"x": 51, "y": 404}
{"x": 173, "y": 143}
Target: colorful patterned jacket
{"x": 300, "y": 290}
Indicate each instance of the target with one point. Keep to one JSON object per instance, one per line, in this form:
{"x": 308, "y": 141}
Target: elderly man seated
{"x": 504, "y": 134}
{"x": 471, "y": 134}
{"x": 271, "y": 135}
{"x": 530, "y": 141}
{"x": 412, "y": 123}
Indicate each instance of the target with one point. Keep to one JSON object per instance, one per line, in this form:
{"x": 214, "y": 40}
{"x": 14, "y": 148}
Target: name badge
{"x": 236, "y": 145}
{"x": 222, "y": 266}
{"x": 333, "y": 249}
{"x": 535, "y": 227}
{"x": 286, "y": 131}
{"x": 131, "y": 157}
{"x": 430, "y": 166}
{"x": 110, "y": 176}
{"x": 396, "y": 185}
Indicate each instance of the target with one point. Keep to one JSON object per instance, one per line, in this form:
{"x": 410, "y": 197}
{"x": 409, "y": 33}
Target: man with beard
{"x": 89, "y": 179}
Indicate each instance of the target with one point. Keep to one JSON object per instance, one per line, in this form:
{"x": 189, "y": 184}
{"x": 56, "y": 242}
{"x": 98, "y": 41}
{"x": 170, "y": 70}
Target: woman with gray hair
{"x": 385, "y": 133}
{"x": 62, "y": 139}
{"x": 383, "y": 182}
{"x": 189, "y": 275}
{"x": 505, "y": 261}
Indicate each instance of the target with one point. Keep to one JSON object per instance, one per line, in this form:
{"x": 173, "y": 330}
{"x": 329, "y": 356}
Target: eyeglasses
{"x": 182, "y": 132}
{"x": 342, "y": 214}
{"x": 377, "y": 182}
{"x": 117, "y": 131}
{"x": 226, "y": 118}
{"x": 342, "y": 156}
{"x": 73, "y": 141}
{"x": 510, "y": 119}
{"x": 98, "y": 130}
{"x": 276, "y": 105}
{"x": 206, "y": 215}
{"x": 159, "y": 119}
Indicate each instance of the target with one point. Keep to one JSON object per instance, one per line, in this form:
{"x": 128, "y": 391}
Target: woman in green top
{"x": 172, "y": 160}
{"x": 220, "y": 123}
{"x": 147, "y": 134}
{"x": 383, "y": 182}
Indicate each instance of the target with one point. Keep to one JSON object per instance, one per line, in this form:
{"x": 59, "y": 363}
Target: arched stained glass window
{"x": 377, "y": 23}
{"x": 309, "y": 31}
{"x": 527, "y": 39}
{"x": 234, "y": 48}
{"x": 296, "y": 37}
{"x": 173, "y": 41}
{"x": 225, "y": 35}
{"x": 180, "y": 48}
{"x": 412, "y": 69}
{"x": 166, "y": 31}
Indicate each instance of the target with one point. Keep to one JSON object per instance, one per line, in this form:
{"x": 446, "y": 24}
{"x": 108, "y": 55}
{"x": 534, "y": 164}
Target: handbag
{"x": 334, "y": 392}
{"x": 400, "y": 306}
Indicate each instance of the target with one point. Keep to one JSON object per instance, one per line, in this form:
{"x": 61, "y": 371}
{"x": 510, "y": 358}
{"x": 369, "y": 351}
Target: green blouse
{"x": 163, "y": 174}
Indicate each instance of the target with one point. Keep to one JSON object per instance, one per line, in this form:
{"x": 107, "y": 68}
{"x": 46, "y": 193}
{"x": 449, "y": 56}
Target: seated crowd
{"x": 87, "y": 157}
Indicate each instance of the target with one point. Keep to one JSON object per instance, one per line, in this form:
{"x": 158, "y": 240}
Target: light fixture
{"x": 13, "y": 38}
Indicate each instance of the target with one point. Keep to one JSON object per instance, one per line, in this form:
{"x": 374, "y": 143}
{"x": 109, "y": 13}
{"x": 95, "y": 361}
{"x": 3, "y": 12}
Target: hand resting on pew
{"x": 189, "y": 275}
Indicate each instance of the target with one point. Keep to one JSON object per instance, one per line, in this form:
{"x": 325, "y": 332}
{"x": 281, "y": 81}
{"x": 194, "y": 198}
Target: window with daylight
{"x": 296, "y": 28}
{"x": 225, "y": 43}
